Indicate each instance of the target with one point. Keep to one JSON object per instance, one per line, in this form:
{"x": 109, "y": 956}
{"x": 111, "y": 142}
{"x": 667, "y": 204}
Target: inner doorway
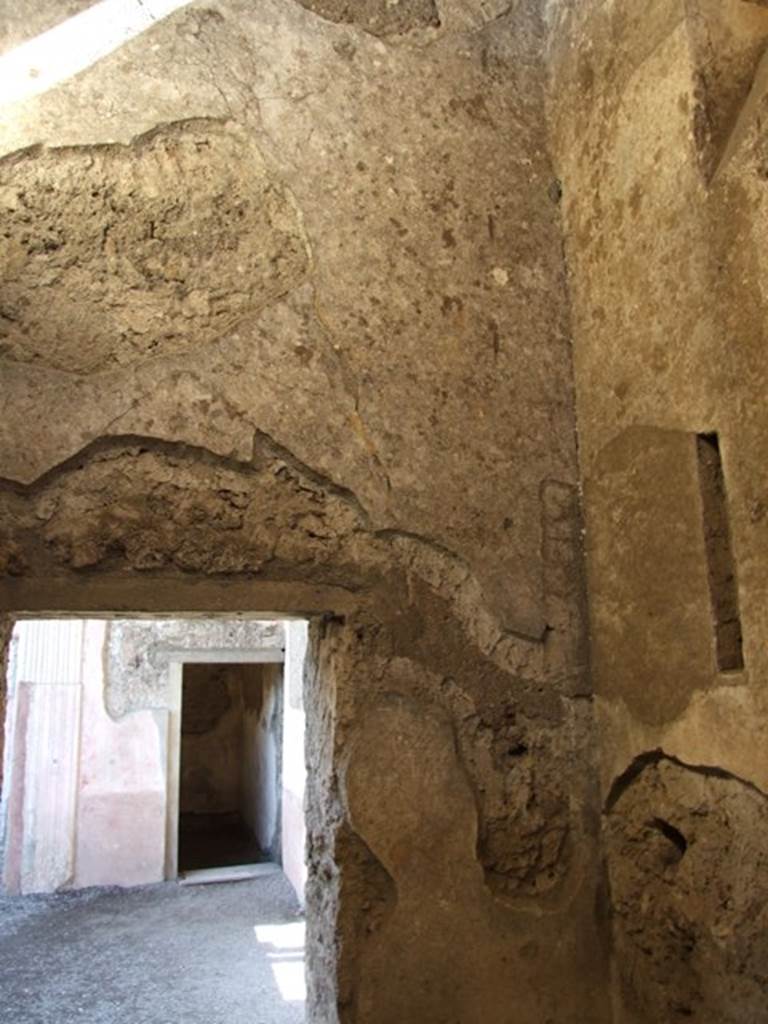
{"x": 92, "y": 781}
{"x": 230, "y": 776}
{"x": 129, "y": 741}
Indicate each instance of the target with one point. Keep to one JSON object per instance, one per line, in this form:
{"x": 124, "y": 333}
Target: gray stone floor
{"x": 164, "y": 954}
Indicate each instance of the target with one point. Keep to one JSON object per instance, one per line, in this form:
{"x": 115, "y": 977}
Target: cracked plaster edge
{"x": 624, "y": 782}
{"x": 688, "y": 739}
{"x": 443, "y": 570}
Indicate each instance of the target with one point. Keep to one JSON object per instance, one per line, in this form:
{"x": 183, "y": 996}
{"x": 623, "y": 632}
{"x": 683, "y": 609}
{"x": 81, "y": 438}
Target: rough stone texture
{"x": 648, "y": 549}
{"x": 658, "y": 116}
{"x": 536, "y": 858}
{"x": 383, "y": 441}
{"x": 687, "y": 849}
{"x": 727, "y": 43}
{"x": 155, "y": 249}
{"x": 379, "y": 17}
{"x": 139, "y": 653}
{"x": 403, "y": 766}
{"x": 430, "y": 285}
{"x": 351, "y": 398}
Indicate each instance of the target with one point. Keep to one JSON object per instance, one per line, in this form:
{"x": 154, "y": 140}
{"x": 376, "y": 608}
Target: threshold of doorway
{"x": 234, "y": 873}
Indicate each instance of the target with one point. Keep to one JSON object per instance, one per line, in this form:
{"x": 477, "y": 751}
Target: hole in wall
{"x": 674, "y": 835}
{"x": 721, "y": 570}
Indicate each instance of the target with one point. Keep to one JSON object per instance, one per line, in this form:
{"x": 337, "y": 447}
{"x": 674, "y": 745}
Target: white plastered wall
{"x": 294, "y": 764}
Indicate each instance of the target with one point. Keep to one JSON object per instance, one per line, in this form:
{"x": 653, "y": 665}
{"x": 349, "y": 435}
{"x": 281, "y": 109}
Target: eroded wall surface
{"x": 141, "y": 652}
{"x": 658, "y": 121}
{"x": 305, "y": 346}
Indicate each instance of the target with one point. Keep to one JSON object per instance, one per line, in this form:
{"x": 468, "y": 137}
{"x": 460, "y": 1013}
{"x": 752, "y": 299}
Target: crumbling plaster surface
{"x": 384, "y": 442}
{"x": 421, "y": 258}
{"x": 379, "y": 17}
{"x": 444, "y": 722}
{"x": 140, "y": 652}
{"x": 388, "y": 757}
{"x": 668, "y": 284}
{"x": 657, "y": 115}
{"x": 687, "y": 847}
{"x": 147, "y": 250}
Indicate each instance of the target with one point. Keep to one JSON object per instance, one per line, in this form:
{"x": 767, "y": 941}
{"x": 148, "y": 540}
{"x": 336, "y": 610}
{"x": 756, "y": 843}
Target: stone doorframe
{"x": 327, "y": 609}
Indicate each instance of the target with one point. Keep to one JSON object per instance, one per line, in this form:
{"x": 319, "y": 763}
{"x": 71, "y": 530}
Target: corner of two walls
{"x": 656, "y": 122}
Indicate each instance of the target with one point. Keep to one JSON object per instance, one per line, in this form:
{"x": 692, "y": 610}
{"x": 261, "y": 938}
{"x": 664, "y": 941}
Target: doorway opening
{"x": 138, "y": 751}
{"x": 230, "y": 766}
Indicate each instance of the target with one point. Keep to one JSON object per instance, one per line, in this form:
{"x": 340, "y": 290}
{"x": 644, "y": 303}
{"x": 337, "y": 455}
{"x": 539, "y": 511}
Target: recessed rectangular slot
{"x": 723, "y": 590}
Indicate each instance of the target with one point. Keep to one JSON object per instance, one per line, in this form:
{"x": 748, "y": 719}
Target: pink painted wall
{"x": 121, "y": 807}
{"x": 85, "y": 802}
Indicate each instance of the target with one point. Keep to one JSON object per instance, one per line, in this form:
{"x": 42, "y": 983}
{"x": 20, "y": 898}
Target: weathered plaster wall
{"x": 658, "y": 114}
{"x": 294, "y": 772}
{"x": 141, "y": 652}
{"x": 319, "y": 363}
{"x": 261, "y": 763}
{"x": 86, "y": 800}
{"x": 119, "y": 833}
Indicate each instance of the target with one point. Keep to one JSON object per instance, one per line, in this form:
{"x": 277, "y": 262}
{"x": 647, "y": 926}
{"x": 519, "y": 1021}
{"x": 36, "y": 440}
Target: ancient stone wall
{"x": 658, "y": 125}
{"x": 285, "y": 330}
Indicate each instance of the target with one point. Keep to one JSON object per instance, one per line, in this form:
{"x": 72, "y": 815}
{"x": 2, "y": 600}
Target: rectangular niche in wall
{"x": 723, "y": 590}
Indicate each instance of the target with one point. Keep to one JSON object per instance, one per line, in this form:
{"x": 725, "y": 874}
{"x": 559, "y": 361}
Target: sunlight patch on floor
{"x": 285, "y": 954}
